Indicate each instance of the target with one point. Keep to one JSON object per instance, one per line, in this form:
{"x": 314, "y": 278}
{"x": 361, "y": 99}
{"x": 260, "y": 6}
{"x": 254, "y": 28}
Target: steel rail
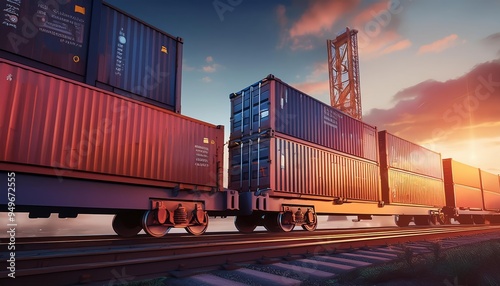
{"x": 72, "y": 266}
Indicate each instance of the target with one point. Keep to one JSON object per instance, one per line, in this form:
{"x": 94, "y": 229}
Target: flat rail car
{"x": 78, "y": 149}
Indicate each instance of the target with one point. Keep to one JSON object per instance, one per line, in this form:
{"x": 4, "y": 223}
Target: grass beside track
{"x": 477, "y": 264}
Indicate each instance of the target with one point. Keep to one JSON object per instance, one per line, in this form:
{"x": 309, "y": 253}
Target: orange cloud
{"x": 376, "y": 21}
{"x": 316, "y": 83}
{"x": 371, "y": 47}
{"x": 209, "y": 69}
{"x": 439, "y": 45}
{"x": 377, "y": 27}
{"x": 369, "y": 13}
{"x": 446, "y": 116}
{"x": 314, "y": 88}
{"x": 318, "y": 19}
{"x": 320, "y": 16}
{"x": 399, "y": 46}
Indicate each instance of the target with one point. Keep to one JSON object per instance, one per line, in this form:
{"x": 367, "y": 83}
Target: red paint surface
{"x": 64, "y": 125}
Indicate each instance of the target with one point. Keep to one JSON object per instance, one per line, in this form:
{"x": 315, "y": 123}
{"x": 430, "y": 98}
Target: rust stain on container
{"x": 64, "y": 125}
{"x": 273, "y": 104}
{"x": 287, "y": 165}
{"x": 462, "y": 185}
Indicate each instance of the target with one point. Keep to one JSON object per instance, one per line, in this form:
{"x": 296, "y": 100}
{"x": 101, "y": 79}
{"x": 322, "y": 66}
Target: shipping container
{"x": 289, "y": 166}
{"x": 401, "y": 187}
{"x": 137, "y": 59}
{"x": 66, "y": 127}
{"x": 95, "y": 43}
{"x": 401, "y": 154}
{"x": 491, "y": 190}
{"x": 410, "y": 174}
{"x": 462, "y": 185}
{"x": 273, "y": 104}
{"x": 52, "y": 32}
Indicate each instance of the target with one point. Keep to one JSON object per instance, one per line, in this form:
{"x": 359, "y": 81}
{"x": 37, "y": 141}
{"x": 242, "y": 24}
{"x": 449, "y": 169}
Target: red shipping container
{"x": 65, "y": 126}
{"x": 462, "y": 185}
{"x": 287, "y": 166}
{"x": 491, "y": 190}
{"x": 273, "y": 104}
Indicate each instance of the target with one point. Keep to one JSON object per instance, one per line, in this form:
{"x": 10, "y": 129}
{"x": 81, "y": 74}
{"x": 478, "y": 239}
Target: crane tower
{"x": 343, "y": 68}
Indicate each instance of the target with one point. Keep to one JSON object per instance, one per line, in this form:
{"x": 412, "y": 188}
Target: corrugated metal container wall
{"x": 139, "y": 59}
{"x": 272, "y": 104}
{"x": 52, "y": 32}
{"x": 413, "y": 189}
{"x": 462, "y": 185}
{"x": 299, "y": 167}
{"x": 404, "y": 155}
{"x": 491, "y": 190}
{"x": 49, "y": 121}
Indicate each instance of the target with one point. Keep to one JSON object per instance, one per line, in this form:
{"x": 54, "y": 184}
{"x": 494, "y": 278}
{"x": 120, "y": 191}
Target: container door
{"x": 250, "y": 165}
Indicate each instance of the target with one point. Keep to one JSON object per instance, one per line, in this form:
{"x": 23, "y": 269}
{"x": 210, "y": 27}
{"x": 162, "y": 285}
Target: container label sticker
{"x": 120, "y": 50}
{"x": 330, "y": 117}
{"x": 264, "y": 113}
{"x": 201, "y": 154}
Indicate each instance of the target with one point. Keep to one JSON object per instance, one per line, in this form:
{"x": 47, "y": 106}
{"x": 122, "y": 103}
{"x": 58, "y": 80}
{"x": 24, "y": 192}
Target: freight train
{"x": 90, "y": 123}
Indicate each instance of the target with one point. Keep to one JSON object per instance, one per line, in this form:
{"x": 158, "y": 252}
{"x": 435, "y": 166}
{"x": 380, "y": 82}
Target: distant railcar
{"x": 410, "y": 175}
{"x": 472, "y": 194}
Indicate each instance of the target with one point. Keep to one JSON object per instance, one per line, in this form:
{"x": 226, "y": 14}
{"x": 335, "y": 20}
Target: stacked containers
{"x": 54, "y": 33}
{"x": 491, "y": 191}
{"x": 462, "y": 185}
{"x": 62, "y": 127}
{"x": 410, "y": 173}
{"x": 284, "y": 140}
{"x": 95, "y": 43}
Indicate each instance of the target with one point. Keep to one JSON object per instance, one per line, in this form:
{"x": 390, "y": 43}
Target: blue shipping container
{"x": 273, "y": 104}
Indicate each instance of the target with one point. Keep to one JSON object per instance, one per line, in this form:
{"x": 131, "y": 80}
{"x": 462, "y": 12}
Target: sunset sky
{"x": 430, "y": 70}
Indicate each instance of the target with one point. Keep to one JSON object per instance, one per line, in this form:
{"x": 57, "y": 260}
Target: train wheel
{"x": 127, "y": 224}
{"x": 271, "y": 222}
{"x": 402, "y": 220}
{"x": 198, "y": 229}
{"x": 311, "y": 225}
{"x": 246, "y": 223}
{"x": 151, "y": 225}
{"x": 442, "y": 218}
{"x": 285, "y": 221}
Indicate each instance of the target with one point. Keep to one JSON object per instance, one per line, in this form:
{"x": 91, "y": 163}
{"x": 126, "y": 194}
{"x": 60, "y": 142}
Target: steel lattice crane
{"x": 343, "y": 68}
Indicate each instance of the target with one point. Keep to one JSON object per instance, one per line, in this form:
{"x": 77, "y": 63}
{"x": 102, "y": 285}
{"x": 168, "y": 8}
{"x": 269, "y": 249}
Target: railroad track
{"x": 105, "y": 259}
